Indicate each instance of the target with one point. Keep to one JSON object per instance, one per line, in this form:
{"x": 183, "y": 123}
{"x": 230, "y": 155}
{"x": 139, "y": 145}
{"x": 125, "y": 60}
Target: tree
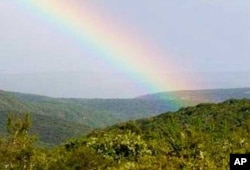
{"x": 16, "y": 149}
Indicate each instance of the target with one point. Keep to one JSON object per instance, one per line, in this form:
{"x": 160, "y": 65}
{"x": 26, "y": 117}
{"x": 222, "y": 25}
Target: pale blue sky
{"x": 213, "y": 35}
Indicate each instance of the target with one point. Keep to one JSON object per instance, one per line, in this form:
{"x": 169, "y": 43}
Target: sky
{"x": 207, "y": 42}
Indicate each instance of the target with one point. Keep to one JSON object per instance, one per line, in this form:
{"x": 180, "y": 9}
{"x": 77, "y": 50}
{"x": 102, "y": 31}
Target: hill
{"x": 200, "y": 137}
{"x": 49, "y": 129}
{"x": 64, "y": 109}
{"x": 191, "y": 138}
{"x": 110, "y": 111}
{"x": 198, "y": 96}
{"x": 51, "y": 116}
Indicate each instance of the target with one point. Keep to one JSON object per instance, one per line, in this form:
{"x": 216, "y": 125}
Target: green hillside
{"x": 49, "y": 129}
{"x": 200, "y": 137}
{"x": 103, "y": 112}
{"x": 109, "y": 111}
{"x": 62, "y": 108}
{"x": 56, "y": 119}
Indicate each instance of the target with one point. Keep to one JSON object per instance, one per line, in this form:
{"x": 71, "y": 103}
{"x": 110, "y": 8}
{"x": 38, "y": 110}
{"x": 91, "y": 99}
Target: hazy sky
{"x": 205, "y": 37}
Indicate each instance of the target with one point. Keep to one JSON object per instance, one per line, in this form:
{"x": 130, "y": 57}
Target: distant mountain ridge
{"x": 206, "y": 95}
{"x": 53, "y": 115}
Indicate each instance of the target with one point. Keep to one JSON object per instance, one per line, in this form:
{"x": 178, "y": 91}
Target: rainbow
{"x": 118, "y": 44}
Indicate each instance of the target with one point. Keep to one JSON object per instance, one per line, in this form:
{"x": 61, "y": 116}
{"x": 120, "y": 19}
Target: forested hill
{"x": 51, "y": 116}
{"x": 199, "y": 137}
{"x": 103, "y": 112}
{"x": 55, "y": 107}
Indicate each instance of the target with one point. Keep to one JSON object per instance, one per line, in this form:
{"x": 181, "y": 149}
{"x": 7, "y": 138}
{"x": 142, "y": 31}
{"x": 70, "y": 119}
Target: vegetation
{"x": 200, "y": 137}
{"x": 49, "y": 130}
{"x": 60, "y": 108}
{"x": 56, "y": 113}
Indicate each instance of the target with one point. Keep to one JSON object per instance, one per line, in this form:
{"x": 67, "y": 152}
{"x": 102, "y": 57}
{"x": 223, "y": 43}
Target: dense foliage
{"x": 200, "y": 137}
